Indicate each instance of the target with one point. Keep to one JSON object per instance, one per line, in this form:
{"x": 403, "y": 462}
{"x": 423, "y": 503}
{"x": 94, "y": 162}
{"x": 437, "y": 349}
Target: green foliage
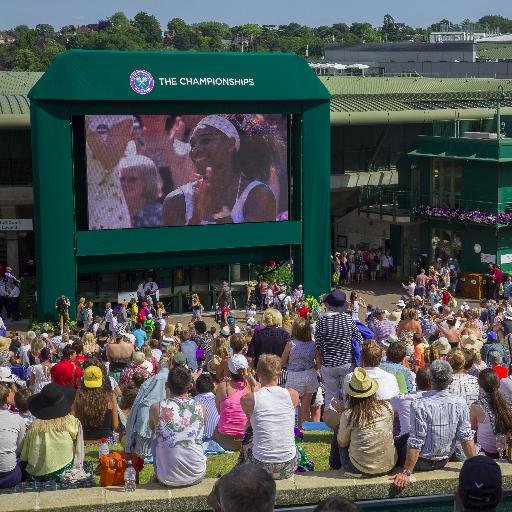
{"x": 40, "y": 327}
{"x": 281, "y": 273}
{"x": 312, "y": 303}
{"x": 149, "y": 28}
{"x": 35, "y": 48}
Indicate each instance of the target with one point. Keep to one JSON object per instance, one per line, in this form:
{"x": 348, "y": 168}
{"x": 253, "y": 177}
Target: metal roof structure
{"x": 14, "y": 104}
{"x": 367, "y": 100}
{"x": 494, "y": 51}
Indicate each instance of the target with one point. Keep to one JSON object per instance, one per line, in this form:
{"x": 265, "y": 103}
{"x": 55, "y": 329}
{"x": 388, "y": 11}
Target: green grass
{"x": 316, "y": 444}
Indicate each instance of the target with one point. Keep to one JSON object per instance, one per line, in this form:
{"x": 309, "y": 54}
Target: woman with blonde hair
{"x": 270, "y": 340}
{"x": 91, "y": 348}
{"x": 36, "y": 345}
{"x": 271, "y": 412}
{"x": 197, "y": 307}
{"x": 299, "y": 360}
{"x": 169, "y": 337}
{"x": 408, "y": 327}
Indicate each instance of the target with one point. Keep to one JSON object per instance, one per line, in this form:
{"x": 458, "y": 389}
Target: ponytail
{"x": 502, "y": 412}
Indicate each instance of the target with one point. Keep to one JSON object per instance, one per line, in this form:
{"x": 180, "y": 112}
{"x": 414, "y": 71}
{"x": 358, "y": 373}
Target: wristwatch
{"x": 406, "y": 472}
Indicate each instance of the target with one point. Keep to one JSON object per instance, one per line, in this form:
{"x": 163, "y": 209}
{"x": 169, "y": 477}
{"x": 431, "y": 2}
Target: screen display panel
{"x": 186, "y": 170}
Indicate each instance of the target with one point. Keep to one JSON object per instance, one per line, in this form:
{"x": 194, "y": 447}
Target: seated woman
{"x": 12, "y": 431}
{"x": 365, "y": 433}
{"x": 491, "y": 414}
{"x": 232, "y": 419}
{"x": 95, "y": 405}
{"x": 271, "y": 411}
{"x": 49, "y": 444}
{"x": 178, "y": 426}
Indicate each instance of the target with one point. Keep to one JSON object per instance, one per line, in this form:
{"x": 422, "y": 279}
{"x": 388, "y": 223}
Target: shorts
{"x": 277, "y": 470}
{"x": 303, "y": 382}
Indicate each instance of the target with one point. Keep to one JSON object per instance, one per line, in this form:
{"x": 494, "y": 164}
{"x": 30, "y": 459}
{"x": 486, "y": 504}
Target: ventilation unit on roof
{"x": 480, "y": 135}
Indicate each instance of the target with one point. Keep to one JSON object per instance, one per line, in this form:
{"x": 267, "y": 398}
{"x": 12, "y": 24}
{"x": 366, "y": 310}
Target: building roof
{"x": 18, "y": 82}
{"x": 404, "y": 46}
{"x": 494, "y": 51}
{"x": 14, "y": 103}
{"x": 363, "y": 100}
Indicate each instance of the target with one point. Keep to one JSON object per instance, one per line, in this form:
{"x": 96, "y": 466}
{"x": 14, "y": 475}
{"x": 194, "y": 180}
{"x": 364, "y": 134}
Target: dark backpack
{"x": 281, "y": 306}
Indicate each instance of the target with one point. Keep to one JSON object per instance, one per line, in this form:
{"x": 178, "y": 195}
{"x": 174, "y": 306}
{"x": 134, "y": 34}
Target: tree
{"x": 365, "y": 32}
{"x": 119, "y": 19}
{"x": 45, "y": 31}
{"x": 149, "y": 28}
{"x": 25, "y": 60}
{"x": 389, "y": 28}
{"x": 48, "y": 53}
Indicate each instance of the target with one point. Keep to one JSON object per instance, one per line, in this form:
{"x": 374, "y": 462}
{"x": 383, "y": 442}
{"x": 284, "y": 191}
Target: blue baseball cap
{"x": 492, "y": 336}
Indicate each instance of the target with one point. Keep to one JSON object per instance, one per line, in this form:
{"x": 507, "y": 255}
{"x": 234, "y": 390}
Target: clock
{"x": 477, "y": 248}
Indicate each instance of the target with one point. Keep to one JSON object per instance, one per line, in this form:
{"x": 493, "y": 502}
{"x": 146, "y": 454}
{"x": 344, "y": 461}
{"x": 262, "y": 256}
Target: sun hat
{"x": 394, "y": 317}
{"x": 336, "y": 300}
{"x": 54, "y": 401}
{"x": 472, "y": 342}
{"x": 93, "y": 377}
{"x": 392, "y": 338}
{"x": 480, "y": 483}
{"x": 401, "y": 303}
{"x": 6, "y": 375}
{"x": 443, "y": 345}
{"x": 361, "y": 385}
{"x": 138, "y": 357}
{"x": 237, "y": 362}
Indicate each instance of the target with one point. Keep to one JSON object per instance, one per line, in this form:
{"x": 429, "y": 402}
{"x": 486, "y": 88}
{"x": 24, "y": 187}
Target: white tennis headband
{"x": 222, "y": 124}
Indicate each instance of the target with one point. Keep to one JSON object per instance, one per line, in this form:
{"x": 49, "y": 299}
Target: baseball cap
{"x": 480, "y": 483}
{"x": 93, "y": 377}
{"x": 491, "y": 336}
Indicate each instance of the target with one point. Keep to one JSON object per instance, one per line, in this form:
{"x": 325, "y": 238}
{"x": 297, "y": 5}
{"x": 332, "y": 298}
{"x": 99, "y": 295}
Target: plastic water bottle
{"x": 104, "y": 449}
{"x": 130, "y": 478}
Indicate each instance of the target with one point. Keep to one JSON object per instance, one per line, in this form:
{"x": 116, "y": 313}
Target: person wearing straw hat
{"x": 365, "y": 434}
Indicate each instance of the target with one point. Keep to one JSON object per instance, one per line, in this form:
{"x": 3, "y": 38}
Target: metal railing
{"x": 402, "y": 203}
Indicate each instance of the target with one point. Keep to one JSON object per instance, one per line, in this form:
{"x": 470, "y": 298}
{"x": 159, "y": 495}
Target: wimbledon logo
{"x": 142, "y": 81}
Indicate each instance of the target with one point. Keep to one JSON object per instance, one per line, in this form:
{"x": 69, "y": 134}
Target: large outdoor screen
{"x": 179, "y": 170}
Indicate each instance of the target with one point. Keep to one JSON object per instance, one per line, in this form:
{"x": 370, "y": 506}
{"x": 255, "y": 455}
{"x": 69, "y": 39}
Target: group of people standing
{"x": 356, "y": 265}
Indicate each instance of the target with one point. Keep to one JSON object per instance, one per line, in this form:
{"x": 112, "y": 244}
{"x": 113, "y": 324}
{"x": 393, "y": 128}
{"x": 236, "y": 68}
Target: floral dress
{"x": 179, "y": 456}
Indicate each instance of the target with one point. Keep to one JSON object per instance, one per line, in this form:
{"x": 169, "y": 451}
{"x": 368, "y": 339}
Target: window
{"x": 446, "y": 183}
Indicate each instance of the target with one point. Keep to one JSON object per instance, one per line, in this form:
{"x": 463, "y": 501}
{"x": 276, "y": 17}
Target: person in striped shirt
{"x": 205, "y": 396}
{"x": 334, "y": 334}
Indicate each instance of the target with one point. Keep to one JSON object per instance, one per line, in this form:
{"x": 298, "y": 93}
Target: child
{"x": 21, "y": 402}
{"x": 189, "y": 349}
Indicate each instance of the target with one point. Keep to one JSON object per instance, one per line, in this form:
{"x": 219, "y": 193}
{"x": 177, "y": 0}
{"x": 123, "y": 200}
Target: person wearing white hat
{"x": 107, "y": 138}
{"x": 442, "y": 345}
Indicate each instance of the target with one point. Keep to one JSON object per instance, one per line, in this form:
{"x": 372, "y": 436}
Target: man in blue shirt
{"x": 140, "y": 336}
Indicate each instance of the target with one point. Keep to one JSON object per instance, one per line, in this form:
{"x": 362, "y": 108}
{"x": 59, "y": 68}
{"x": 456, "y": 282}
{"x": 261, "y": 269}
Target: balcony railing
{"x": 398, "y": 205}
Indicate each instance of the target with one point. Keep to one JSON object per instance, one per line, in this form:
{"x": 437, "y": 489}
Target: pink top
{"x": 232, "y": 419}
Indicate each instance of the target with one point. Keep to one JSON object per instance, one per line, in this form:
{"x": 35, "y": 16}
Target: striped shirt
{"x": 438, "y": 420}
{"x": 333, "y": 337}
{"x": 211, "y": 416}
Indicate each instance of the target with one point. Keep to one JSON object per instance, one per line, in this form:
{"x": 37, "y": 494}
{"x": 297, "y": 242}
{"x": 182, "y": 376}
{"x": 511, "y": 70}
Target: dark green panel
{"x": 182, "y": 259}
{"x": 187, "y": 238}
{"x": 104, "y": 75}
{"x": 395, "y": 234}
{"x": 53, "y": 205}
{"x": 480, "y": 185}
{"x": 316, "y": 199}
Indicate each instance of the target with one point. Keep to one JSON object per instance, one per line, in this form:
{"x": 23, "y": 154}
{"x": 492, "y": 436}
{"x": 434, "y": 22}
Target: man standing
{"x": 262, "y": 292}
{"x": 62, "y": 306}
{"x": 334, "y": 333}
{"x": 438, "y": 421}
{"x": 150, "y": 291}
